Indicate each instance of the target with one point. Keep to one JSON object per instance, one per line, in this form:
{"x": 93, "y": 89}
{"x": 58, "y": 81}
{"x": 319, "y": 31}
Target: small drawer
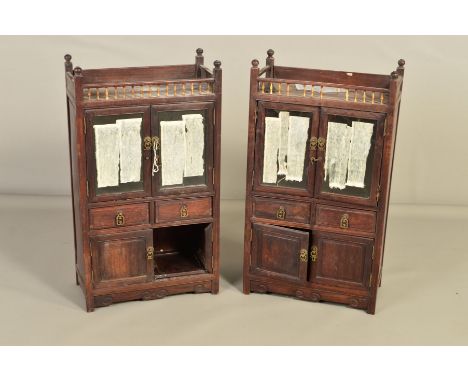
{"x": 119, "y": 216}
{"x": 345, "y": 219}
{"x": 183, "y": 209}
{"x": 281, "y": 210}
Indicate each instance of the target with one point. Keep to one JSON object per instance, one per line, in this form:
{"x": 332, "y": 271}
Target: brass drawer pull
{"x": 183, "y": 211}
{"x": 281, "y": 213}
{"x": 149, "y": 253}
{"x": 313, "y": 159}
{"x": 344, "y": 221}
{"x": 314, "y": 253}
{"x": 119, "y": 219}
{"x": 303, "y": 255}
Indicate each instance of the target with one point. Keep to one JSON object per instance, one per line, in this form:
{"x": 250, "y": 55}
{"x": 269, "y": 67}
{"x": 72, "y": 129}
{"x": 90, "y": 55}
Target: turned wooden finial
{"x": 394, "y": 74}
{"x": 217, "y": 64}
{"x": 199, "y": 60}
{"x": 68, "y": 63}
{"x": 77, "y": 71}
{"x": 255, "y": 63}
{"x": 270, "y": 59}
{"x": 401, "y": 66}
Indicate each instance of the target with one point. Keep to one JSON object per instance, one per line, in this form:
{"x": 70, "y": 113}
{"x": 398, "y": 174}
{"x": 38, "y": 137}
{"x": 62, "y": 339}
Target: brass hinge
{"x": 84, "y": 127}
{"x": 251, "y": 234}
{"x": 373, "y": 253}
{"x": 87, "y": 188}
{"x": 370, "y": 280}
{"x": 92, "y": 276}
{"x": 253, "y": 176}
{"x": 377, "y": 196}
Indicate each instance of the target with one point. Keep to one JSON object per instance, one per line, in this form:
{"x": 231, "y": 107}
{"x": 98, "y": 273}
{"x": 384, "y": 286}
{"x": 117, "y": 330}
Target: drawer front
{"x": 119, "y": 216}
{"x": 345, "y": 219}
{"x": 183, "y": 209}
{"x": 282, "y": 210}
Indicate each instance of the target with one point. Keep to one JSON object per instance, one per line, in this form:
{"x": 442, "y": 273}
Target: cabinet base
{"x": 308, "y": 293}
{"x": 154, "y": 293}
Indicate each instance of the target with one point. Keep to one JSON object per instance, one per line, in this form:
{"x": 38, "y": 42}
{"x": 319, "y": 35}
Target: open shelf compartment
{"x": 182, "y": 250}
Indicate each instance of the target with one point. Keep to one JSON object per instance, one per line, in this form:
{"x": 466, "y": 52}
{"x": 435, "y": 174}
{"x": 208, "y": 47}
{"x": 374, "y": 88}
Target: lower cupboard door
{"x": 279, "y": 252}
{"x": 121, "y": 259}
{"x": 340, "y": 260}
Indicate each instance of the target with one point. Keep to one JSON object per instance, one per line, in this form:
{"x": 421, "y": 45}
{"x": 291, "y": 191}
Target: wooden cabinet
{"x": 145, "y": 175}
{"x": 320, "y": 157}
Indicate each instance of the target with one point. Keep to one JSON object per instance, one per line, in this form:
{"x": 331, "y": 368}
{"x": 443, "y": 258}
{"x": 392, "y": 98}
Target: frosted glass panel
{"x": 286, "y": 134}
{"x": 183, "y": 148}
{"x": 118, "y": 153}
{"x": 349, "y": 156}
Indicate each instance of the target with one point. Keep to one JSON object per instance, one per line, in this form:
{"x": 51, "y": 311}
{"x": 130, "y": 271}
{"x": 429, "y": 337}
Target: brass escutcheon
{"x": 314, "y": 253}
{"x": 344, "y": 221}
{"x": 321, "y": 144}
{"x": 149, "y": 253}
{"x": 313, "y": 143}
{"x": 183, "y": 211}
{"x": 280, "y": 213}
{"x": 119, "y": 219}
{"x": 303, "y": 255}
{"x": 147, "y": 143}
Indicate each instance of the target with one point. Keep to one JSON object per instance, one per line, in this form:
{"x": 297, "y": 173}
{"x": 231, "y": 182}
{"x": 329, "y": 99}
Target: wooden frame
{"x": 127, "y": 90}
{"x": 352, "y": 226}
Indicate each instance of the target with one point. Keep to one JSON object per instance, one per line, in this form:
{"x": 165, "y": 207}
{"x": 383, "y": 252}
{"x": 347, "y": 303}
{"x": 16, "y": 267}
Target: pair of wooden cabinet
{"x": 320, "y": 157}
{"x": 145, "y": 175}
{"x": 145, "y": 161}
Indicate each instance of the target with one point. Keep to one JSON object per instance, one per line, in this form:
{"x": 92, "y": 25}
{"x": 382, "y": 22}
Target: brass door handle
{"x": 314, "y": 253}
{"x": 183, "y": 211}
{"x": 147, "y": 143}
{"x": 303, "y": 255}
{"x": 321, "y": 144}
{"x": 149, "y": 253}
{"x": 313, "y": 159}
{"x": 313, "y": 143}
{"x": 344, "y": 221}
{"x": 119, "y": 219}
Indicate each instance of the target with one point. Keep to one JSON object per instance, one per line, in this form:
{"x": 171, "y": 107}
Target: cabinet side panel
{"x": 75, "y": 188}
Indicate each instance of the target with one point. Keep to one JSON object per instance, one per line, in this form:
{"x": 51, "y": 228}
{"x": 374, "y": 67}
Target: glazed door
{"x": 121, "y": 259}
{"x": 118, "y": 154}
{"x": 349, "y": 153}
{"x": 183, "y": 148}
{"x": 285, "y": 150}
{"x": 340, "y": 260}
{"x": 279, "y": 252}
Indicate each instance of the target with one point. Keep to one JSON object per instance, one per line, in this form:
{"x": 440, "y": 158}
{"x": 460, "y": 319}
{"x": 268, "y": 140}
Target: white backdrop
{"x": 431, "y": 165}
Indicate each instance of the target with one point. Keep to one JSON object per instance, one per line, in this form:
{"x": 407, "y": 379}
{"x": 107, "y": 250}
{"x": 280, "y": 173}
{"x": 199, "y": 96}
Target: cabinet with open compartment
{"x": 145, "y": 167}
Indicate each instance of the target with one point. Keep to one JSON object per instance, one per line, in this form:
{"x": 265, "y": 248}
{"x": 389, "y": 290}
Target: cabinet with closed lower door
{"x": 320, "y": 159}
{"x": 145, "y": 159}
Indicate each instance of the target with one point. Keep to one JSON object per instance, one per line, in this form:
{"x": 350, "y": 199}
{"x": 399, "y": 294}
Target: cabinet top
{"x": 127, "y": 84}
{"x": 373, "y": 92}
